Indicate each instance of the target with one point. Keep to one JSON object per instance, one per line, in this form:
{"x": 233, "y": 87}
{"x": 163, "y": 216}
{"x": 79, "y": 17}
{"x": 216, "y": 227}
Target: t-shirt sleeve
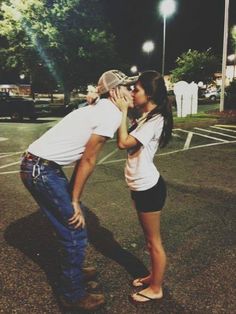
{"x": 108, "y": 120}
{"x": 149, "y": 130}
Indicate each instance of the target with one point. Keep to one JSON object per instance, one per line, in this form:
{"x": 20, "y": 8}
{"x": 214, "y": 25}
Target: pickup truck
{"x": 16, "y": 107}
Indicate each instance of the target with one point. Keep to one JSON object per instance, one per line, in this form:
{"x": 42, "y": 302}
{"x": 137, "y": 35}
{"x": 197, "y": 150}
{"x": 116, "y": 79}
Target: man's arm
{"x": 84, "y": 169}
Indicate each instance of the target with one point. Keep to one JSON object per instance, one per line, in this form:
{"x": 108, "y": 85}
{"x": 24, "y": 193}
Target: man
{"x": 78, "y": 137}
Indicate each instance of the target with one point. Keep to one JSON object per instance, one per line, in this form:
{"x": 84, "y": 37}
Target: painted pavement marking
{"x": 3, "y": 139}
{"x": 107, "y": 156}
{"x": 188, "y": 140}
{"x": 226, "y": 126}
{"x": 175, "y": 151}
{"x": 11, "y": 164}
{"x": 221, "y": 128}
{"x": 207, "y": 136}
{"x": 219, "y": 133}
{"x": 186, "y": 147}
{"x": 3, "y": 155}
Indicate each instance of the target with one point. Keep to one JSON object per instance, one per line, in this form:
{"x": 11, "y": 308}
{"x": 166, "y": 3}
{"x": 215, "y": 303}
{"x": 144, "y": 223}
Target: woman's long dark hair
{"x": 154, "y": 86}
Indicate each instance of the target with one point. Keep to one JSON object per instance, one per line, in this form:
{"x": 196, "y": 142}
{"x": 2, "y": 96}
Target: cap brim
{"x": 130, "y": 80}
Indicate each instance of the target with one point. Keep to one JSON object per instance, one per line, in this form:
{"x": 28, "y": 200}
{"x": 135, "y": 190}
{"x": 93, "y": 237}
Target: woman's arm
{"x": 124, "y": 140}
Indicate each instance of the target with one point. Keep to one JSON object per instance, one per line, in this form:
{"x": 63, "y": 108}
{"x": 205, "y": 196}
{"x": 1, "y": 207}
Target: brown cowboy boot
{"x": 89, "y": 273}
{"x": 89, "y": 302}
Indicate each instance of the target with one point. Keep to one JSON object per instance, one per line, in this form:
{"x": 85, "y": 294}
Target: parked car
{"x": 16, "y": 107}
{"x": 42, "y": 108}
{"x": 212, "y": 95}
{"x": 75, "y": 104}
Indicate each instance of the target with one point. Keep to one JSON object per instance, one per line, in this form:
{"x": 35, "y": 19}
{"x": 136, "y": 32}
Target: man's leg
{"x": 50, "y": 189}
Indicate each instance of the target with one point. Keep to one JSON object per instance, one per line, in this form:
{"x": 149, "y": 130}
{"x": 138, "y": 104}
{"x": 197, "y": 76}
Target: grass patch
{"x": 202, "y": 118}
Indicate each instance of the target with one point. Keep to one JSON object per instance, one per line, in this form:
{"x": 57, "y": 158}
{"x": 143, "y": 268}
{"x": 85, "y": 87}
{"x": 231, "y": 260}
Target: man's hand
{"x": 92, "y": 94}
{"x": 78, "y": 218}
{"x": 91, "y": 97}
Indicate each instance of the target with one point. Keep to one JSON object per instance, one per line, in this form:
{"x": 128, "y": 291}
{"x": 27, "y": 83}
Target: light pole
{"x": 166, "y": 8}
{"x": 147, "y": 47}
{"x": 225, "y": 44}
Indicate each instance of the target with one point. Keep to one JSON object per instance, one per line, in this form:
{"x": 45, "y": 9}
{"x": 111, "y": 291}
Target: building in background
{"x": 16, "y": 89}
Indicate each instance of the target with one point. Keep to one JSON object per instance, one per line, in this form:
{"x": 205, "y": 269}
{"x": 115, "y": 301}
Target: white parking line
{"x": 10, "y": 154}
{"x": 227, "y": 126}
{"x": 188, "y": 140}
{"x": 107, "y": 156}
{"x": 224, "y": 129}
{"x": 219, "y": 133}
{"x": 175, "y": 151}
{"x": 157, "y": 155}
{"x": 211, "y": 137}
{"x": 103, "y": 160}
{"x": 3, "y": 139}
{"x": 8, "y": 165}
{"x": 10, "y": 172}
{"x": 176, "y": 135}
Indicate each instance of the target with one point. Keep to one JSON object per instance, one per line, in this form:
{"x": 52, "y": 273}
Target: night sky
{"x": 197, "y": 24}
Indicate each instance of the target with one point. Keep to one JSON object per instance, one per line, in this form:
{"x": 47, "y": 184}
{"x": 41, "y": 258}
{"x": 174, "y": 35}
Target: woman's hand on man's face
{"x": 122, "y": 97}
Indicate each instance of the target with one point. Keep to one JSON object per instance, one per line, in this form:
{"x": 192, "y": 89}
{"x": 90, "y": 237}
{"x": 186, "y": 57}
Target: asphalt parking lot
{"x": 198, "y": 227}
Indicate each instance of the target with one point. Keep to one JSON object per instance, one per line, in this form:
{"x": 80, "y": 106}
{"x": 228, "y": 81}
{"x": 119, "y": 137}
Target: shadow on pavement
{"x": 103, "y": 241}
{"x": 33, "y": 236}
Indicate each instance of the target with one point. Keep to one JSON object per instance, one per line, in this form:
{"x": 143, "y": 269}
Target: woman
{"x": 148, "y": 190}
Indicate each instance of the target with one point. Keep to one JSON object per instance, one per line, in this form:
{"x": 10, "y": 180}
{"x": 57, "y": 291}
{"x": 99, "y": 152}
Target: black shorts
{"x": 150, "y": 200}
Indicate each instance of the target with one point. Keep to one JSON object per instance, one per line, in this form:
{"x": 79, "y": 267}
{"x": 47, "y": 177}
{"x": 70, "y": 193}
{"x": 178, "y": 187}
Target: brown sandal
{"x": 148, "y": 299}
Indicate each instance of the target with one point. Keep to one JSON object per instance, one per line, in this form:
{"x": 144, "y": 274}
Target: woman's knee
{"x": 154, "y": 244}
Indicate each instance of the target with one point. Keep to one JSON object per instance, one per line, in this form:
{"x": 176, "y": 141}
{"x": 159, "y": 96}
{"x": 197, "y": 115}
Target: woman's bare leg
{"x": 150, "y": 223}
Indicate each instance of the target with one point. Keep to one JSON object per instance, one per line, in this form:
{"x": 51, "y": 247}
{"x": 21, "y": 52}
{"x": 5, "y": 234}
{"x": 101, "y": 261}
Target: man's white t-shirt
{"x": 65, "y": 142}
{"x": 140, "y": 171}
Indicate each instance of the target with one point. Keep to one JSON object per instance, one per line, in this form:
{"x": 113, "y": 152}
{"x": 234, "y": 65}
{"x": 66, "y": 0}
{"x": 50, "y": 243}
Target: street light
{"x": 134, "y": 69}
{"x": 148, "y": 46}
{"x": 166, "y": 8}
{"x": 22, "y": 76}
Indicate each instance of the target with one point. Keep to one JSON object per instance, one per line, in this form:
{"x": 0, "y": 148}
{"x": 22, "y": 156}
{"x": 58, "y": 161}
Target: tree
{"x": 68, "y": 38}
{"x": 195, "y": 66}
{"x": 233, "y": 37}
{"x": 230, "y": 102}
{"x": 233, "y": 43}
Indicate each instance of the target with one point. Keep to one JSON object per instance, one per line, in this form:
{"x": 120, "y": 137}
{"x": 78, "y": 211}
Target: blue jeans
{"x": 50, "y": 188}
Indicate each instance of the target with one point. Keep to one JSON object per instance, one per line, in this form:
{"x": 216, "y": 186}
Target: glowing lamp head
{"x": 167, "y": 7}
{"x": 148, "y": 46}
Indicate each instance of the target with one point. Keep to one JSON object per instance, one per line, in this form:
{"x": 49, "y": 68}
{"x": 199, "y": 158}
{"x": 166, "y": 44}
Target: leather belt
{"x": 39, "y": 160}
